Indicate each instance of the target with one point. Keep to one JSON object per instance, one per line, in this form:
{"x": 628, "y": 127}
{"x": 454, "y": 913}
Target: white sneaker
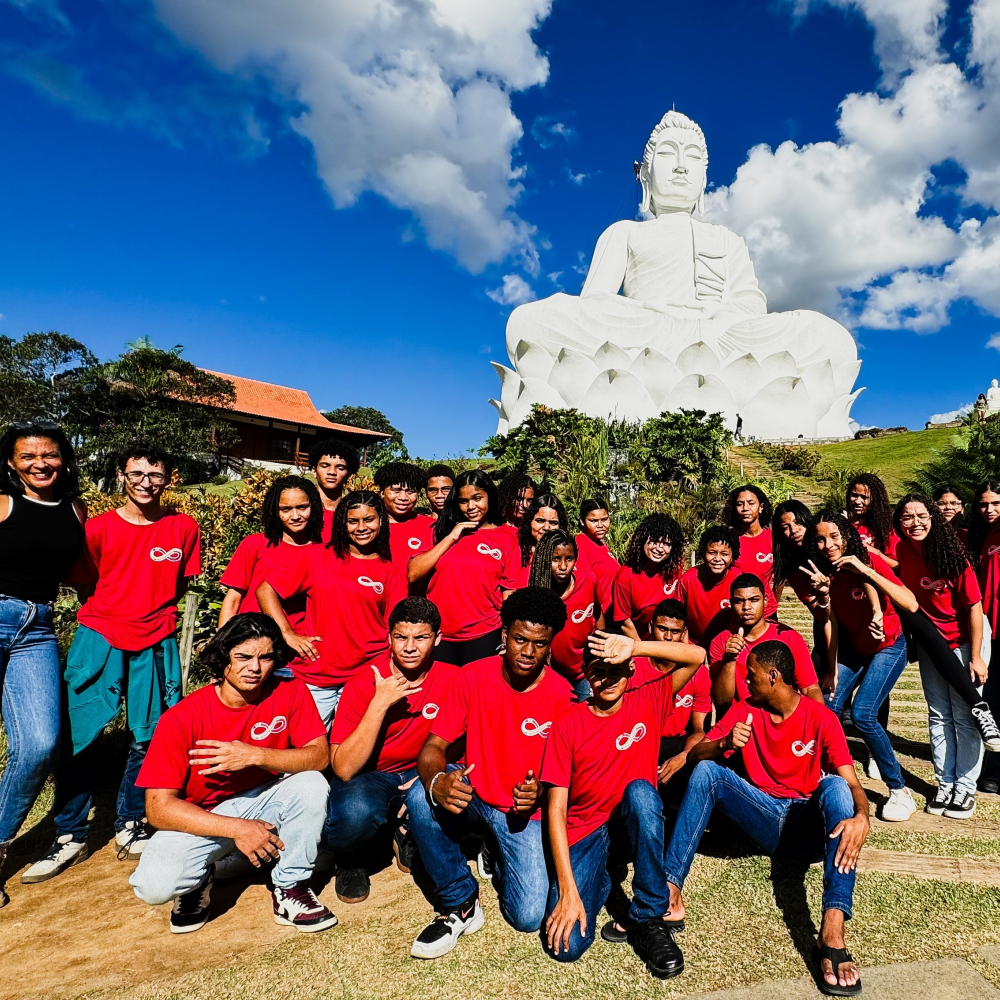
{"x": 234, "y": 865}
{"x": 441, "y": 935}
{"x": 873, "y": 771}
{"x": 63, "y": 854}
{"x": 900, "y": 806}
{"x": 132, "y": 841}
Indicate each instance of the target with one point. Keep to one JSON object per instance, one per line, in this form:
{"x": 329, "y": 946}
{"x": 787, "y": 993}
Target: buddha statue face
{"x": 677, "y": 171}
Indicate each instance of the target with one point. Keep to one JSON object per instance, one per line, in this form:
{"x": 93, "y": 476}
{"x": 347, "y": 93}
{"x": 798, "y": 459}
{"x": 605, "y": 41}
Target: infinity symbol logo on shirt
{"x": 414, "y": 543}
{"x": 725, "y": 603}
{"x": 627, "y": 739}
{"x": 531, "y": 727}
{"x": 763, "y": 557}
{"x": 582, "y": 616}
{"x": 430, "y": 710}
{"x": 171, "y": 555}
{"x": 669, "y": 588}
{"x": 684, "y": 700}
{"x": 367, "y": 581}
{"x": 483, "y": 549}
{"x": 800, "y": 749}
{"x": 993, "y": 550}
{"x": 858, "y": 594}
{"x": 936, "y": 585}
{"x": 261, "y": 730}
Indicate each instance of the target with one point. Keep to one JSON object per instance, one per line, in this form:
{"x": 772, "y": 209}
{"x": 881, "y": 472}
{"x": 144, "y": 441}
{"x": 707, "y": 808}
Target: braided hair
{"x": 656, "y": 527}
{"x": 978, "y": 528}
{"x": 512, "y": 486}
{"x": 788, "y": 556}
{"x": 942, "y": 549}
{"x": 541, "y": 567}
{"x": 853, "y": 543}
{"x": 728, "y": 513}
{"x": 340, "y": 542}
{"x": 524, "y": 536}
{"x": 878, "y": 517}
{"x": 273, "y": 528}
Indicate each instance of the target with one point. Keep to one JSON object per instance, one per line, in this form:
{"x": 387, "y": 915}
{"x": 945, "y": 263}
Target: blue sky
{"x": 162, "y": 174}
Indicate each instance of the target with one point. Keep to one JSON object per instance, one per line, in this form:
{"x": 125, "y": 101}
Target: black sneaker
{"x": 190, "y": 911}
{"x": 987, "y": 726}
{"x": 298, "y": 907}
{"x": 937, "y": 805}
{"x": 484, "y": 860}
{"x": 441, "y": 935}
{"x": 654, "y": 944}
{"x": 990, "y": 786}
{"x": 962, "y": 806}
{"x": 353, "y": 885}
{"x": 404, "y": 847}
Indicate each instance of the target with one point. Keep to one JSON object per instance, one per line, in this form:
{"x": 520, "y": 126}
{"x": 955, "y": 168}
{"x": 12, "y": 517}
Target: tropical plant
{"x": 542, "y": 444}
{"x": 967, "y": 462}
{"x": 685, "y": 446}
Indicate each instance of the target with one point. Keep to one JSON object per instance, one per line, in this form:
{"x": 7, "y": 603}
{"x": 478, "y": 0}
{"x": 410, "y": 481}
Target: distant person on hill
{"x": 332, "y": 462}
{"x": 869, "y": 510}
{"x": 515, "y": 494}
{"x": 748, "y": 512}
{"x": 440, "y": 479}
{"x": 237, "y": 764}
{"x": 704, "y": 589}
{"x": 591, "y": 544}
{"x": 41, "y": 536}
{"x": 650, "y": 571}
{"x": 800, "y": 797}
{"x": 399, "y": 484}
{"x": 544, "y": 514}
{"x": 739, "y": 426}
{"x": 292, "y": 518}
{"x": 134, "y": 569}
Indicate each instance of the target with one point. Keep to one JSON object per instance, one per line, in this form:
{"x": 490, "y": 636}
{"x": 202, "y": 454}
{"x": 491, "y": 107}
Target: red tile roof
{"x": 277, "y": 402}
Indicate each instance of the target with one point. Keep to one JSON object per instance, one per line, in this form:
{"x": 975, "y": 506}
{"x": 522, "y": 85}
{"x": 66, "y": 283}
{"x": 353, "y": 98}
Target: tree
{"x": 36, "y": 374}
{"x": 675, "y": 447}
{"x": 153, "y": 394}
{"x": 367, "y": 417}
{"x": 972, "y": 458}
{"x": 546, "y": 442}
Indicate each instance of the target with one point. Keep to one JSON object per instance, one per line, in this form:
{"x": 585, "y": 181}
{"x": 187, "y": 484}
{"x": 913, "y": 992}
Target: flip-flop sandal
{"x": 613, "y": 933}
{"x": 837, "y": 957}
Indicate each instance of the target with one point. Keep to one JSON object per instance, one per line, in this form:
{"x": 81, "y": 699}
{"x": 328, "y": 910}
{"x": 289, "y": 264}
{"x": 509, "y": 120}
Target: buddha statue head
{"x": 674, "y": 168}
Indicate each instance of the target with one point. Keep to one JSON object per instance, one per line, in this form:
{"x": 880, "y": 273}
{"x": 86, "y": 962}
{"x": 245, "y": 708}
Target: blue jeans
{"x": 642, "y": 816}
{"x": 75, "y": 790}
{"x": 31, "y": 704}
{"x": 791, "y": 828}
{"x": 358, "y": 808}
{"x": 874, "y": 678}
{"x": 522, "y": 875}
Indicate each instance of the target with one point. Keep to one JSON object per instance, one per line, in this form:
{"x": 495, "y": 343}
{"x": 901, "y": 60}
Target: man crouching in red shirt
{"x": 786, "y": 743}
{"x": 212, "y": 782}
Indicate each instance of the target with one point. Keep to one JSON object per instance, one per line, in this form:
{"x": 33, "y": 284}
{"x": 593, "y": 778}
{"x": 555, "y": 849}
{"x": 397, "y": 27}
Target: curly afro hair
{"x": 728, "y": 513}
{"x": 942, "y": 549}
{"x": 273, "y": 528}
{"x": 334, "y": 448}
{"x": 853, "y": 543}
{"x": 534, "y": 606}
{"x": 719, "y": 533}
{"x": 401, "y": 474}
{"x": 656, "y": 528}
{"x": 511, "y": 487}
{"x": 239, "y": 629}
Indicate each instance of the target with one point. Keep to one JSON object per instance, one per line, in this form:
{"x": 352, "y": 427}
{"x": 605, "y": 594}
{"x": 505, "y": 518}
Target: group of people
{"x": 482, "y": 680}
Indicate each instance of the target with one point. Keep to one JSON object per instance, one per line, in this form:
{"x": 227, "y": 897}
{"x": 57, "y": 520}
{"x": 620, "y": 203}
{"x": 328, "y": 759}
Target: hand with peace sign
{"x": 820, "y": 582}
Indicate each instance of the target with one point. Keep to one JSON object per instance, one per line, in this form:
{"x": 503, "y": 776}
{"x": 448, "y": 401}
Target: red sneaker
{"x": 298, "y": 907}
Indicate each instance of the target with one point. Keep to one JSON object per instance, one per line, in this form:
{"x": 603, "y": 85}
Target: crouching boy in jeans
{"x": 212, "y": 782}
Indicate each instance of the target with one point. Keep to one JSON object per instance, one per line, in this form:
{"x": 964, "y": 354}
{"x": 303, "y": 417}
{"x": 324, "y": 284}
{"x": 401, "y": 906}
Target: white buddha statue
{"x": 671, "y": 316}
{"x": 993, "y": 397}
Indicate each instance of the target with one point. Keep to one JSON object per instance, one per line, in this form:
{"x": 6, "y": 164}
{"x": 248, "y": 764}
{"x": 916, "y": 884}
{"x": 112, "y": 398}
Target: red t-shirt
{"x": 695, "y": 696}
{"x": 140, "y": 571}
{"x": 989, "y": 579}
{"x": 854, "y": 613}
{"x": 636, "y": 596}
{"x": 410, "y": 538}
{"x": 467, "y": 582}
{"x": 253, "y": 561}
{"x": 866, "y": 536}
{"x": 707, "y": 609}
{"x": 801, "y": 584}
{"x": 595, "y": 756}
{"x": 285, "y": 718}
{"x": 939, "y": 599}
{"x": 328, "y": 524}
{"x": 582, "y": 607}
{"x": 787, "y": 759}
{"x": 805, "y": 673}
{"x": 348, "y": 602}
{"x": 757, "y": 557}
{"x": 505, "y": 730}
{"x": 405, "y": 726}
{"x": 599, "y": 561}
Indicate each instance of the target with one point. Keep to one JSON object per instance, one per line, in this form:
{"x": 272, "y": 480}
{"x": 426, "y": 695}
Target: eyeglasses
{"x": 915, "y": 519}
{"x": 942, "y": 504}
{"x": 155, "y": 478}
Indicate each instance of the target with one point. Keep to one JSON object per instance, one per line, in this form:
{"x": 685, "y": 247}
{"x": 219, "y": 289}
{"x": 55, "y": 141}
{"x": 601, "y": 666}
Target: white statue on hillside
{"x": 993, "y": 397}
{"x": 691, "y": 328}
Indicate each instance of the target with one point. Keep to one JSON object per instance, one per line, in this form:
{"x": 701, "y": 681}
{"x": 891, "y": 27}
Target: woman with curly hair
{"x": 948, "y": 499}
{"x": 704, "y": 589}
{"x": 650, "y": 571}
{"x": 983, "y": 544}
{"x": 856, "y": 588}
{"x": 292, "y": 518}
{"x": 595, "y": 522}
{"x": 555, "y": 567}
{"x": 350, "y": 586}
{"x": 869, "y": 510}
{"x": 934, "y": 565}
{"x": 748, "y": 512}
{"x": 545, "y": 513}
{"x": 515, "y": 493}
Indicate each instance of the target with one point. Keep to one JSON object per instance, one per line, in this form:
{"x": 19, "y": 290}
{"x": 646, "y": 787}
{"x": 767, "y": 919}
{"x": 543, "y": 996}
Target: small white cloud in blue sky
{"x": 547, "y": 131}
{"x": 512, "y": 292}
{"x": 957, "y": 414}
{"x": 994, "y": 342}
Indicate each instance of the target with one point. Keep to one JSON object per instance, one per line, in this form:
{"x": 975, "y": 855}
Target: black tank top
{"x": 39, "y": 542}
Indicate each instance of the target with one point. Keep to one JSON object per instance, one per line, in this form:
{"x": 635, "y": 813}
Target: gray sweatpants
{"x": 174, "y": 863}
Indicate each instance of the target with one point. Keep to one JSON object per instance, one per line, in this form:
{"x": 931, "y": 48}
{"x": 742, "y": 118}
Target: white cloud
{"x": 513, "y": 291}
{"x": 844, "y": 226}
{"x": 576, "y": 179}
{"x": 409, "y": 99}
{"x": 546, "y": 131}
{"x": 993, "y": 342}
{"x": 944, "y": 418}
